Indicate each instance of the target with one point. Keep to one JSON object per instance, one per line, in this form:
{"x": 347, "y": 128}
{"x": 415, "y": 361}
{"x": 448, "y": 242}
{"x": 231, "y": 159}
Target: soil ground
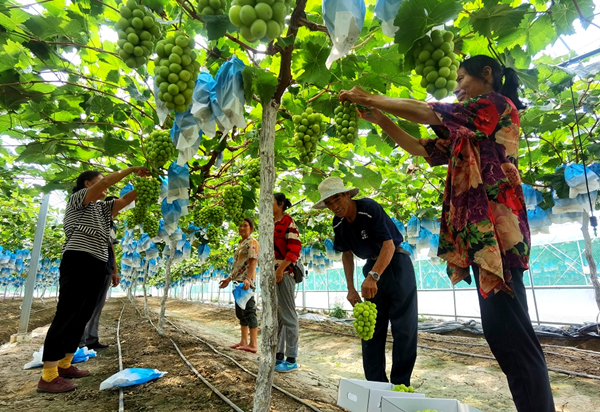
{"x": 326, "y": 354}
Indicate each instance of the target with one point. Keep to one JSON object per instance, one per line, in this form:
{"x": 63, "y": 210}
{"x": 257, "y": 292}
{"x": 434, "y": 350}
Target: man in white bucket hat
{"x": 362, "y": 228}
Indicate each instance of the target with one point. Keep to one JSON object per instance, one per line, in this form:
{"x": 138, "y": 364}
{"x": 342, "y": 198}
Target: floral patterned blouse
{"x": 484, "y": 218}
{"x": 246, "y": 250}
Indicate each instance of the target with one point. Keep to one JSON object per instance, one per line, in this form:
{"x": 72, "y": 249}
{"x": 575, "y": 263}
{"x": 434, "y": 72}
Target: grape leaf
{"x": 491, "y": 21}
{"x": 217, "y": 26}
{"x": 115, "y": 146}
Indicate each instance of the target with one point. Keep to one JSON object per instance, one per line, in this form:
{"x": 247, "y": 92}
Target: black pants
{"x": 247, "y": 316}
{"x": 508, "y": 330}
{"x": 82, "y": 278}
{"x": 396, "y": 302}
{"x": 90, "y": 334}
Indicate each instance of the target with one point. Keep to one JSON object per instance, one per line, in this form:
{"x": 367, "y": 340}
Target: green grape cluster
{"x": 136, "y": 29}
{"x": 139, "y": 214}
{"x": 253, "y": 173}
{"x": 346, "y": 122}
{"x": 365, "y": 314}
{"x": 436, "y": 62}
{"x": 262, "y": 20}
{"x": 210, "y": 7}
{"x": 213, "y": 235}
{"x": 129, "y": 219}
{"x": 403, "y": 388}
{"x": 308, "y": 130}
{"x": 176, "y": 70}
{"x": 159, "y": 148}
{"x": 232, "y": 200}
{"x": 148, "y": 190}
{"x": 213, "y": 215}
{"x": 150, "y": 225}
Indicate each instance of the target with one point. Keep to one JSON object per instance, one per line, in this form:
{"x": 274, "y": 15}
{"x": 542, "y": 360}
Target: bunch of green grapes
{"x": 403, "y": 388}
{"x": 139, "y": 214}
{"x": 147, "y": 189}
{"x": 308, "y": 130}
{"x": 150, "y": 225}
{"x": 159, "y": 148}
{"x": 210, "y": 7}
{"x": 365, "y": 314}
{"x": 176, "y": 70}
{"x": 209, "y": 215}
{"x": 346, "y": 122}
{"x": 130, "y": 219}
{"x": 262, "y": 20}
{"x": 232, "y": 199}
{"x": 253, "y": 173}
{"x": 436, "y": 62}
{"x": 136, "y": 29}
{"x": 212, "y": 235}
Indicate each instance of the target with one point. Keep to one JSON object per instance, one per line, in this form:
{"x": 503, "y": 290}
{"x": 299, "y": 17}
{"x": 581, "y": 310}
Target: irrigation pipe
{"x": 291, "y": 395}
{"x": 198, "y": 374}
{"x": 121, "y": 403}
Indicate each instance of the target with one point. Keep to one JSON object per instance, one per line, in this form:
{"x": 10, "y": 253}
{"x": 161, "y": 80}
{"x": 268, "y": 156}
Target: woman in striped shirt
{"x": 83, "y": 271}
{"x": 287, "y": 251}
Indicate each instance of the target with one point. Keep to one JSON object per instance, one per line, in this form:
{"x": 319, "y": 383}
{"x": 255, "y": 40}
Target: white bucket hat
{"x": 332, "y": 186}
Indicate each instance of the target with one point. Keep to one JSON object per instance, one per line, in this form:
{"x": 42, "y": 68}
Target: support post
{"x": 33, "y": 266}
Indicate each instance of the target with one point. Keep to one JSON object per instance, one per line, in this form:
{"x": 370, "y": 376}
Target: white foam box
{"x": 365, "y": 396}
{"x": 393, "y": 404}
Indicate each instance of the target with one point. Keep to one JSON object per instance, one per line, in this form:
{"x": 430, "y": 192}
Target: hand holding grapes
{"x": 372, "y": 115}
{"x": 140, "y": 171}
{"x": 353, "y": 297}
{"x": 369, "y": 288}
{"x": 355, "y": 95}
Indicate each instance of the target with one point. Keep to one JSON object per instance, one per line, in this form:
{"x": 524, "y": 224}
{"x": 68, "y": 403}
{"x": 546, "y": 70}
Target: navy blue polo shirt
{"x": 365, "y": 236}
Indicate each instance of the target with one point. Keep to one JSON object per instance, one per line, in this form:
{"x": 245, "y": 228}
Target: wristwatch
{"x": 374, "y": 275}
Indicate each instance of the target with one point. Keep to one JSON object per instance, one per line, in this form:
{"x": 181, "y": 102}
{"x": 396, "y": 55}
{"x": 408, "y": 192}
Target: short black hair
{"x": 250, "y": 222}
{"x": 282, "y": 200}
{"x": 109, "y": 198}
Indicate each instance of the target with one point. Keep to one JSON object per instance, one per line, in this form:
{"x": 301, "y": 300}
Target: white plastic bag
{"x": 386, "y": 11}
{"x": 344, "y": 20}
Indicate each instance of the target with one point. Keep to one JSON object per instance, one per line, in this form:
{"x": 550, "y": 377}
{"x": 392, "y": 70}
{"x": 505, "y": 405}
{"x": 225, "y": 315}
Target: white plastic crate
{"x": 365, "y": 396}
{"x": 393, "y": 404}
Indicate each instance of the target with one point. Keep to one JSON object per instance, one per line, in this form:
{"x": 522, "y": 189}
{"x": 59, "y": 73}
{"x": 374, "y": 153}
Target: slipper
{"x": 248, "y": 349}
{"x": 237, "y": 345}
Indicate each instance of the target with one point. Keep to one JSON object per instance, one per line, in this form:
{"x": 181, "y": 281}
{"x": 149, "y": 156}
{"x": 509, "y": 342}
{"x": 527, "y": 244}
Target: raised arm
{"x": 409, "y": 109}
{"x": 101, "y": 185}
{"x": 122, "y": 202}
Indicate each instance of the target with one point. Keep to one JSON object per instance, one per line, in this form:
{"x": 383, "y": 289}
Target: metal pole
{"x": 454, "y": 298}
{"x": 537, "y": 315}
{"x": 327, "y": 286}
{"x": 304, "y": 294}
{"x": 33, "y": 266}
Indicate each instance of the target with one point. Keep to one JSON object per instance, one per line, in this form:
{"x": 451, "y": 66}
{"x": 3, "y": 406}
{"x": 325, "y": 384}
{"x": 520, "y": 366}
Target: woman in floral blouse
{"x": 484, "y": 219}
{"x": 245, "y": 259}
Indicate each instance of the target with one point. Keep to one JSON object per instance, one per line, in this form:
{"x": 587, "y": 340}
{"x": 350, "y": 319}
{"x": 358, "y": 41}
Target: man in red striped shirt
{"x": 287, "y": 247}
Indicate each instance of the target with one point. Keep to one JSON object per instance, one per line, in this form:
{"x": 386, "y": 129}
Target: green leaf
{"x": 369, "y": 176}
{"x": 387, "y": 63}
{"x": 309, "y": 61}
{"x": 494, "y": 20}
{"x": 115, "y": 146}
{"x": 113, "y": 76}
{"x": 558, "y": 183}
{"x": 263, "y": 83}
{"x": 416, "y": 17}
{"x": 248, "y": 80}
{"x": 217, "y": 26}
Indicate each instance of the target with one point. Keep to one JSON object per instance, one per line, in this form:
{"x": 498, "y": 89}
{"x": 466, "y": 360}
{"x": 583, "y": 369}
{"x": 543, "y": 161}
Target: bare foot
{"x": 248, "y": 349}
{"x": 237, "y": 345}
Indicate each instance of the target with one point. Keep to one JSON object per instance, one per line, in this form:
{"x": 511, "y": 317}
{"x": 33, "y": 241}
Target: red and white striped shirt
{"x": 287, "y": 243}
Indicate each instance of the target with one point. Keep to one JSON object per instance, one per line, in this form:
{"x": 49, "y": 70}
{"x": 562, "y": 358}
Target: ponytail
{"x": 504, "y": 80}
{"x": 84, "y": 177}
{"x": 282, "y": 201}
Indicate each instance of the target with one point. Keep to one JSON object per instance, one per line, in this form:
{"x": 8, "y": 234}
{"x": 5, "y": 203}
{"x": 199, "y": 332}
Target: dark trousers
{"x": 247, "y": 316}
{"x": 508, "y": 330}
{"x": 396, "y": 301}
{"x": 90, "y": 335}
{"x": 82, "y": 278}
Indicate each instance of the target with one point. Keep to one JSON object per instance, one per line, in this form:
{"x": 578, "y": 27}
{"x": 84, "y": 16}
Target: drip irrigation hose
{"x": 291, "y": 395}
{"x": 198, "y": 374}
{"x": 121, "y": 403}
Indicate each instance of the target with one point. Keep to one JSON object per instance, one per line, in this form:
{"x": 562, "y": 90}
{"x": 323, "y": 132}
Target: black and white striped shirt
{"x": 87, "y": 227}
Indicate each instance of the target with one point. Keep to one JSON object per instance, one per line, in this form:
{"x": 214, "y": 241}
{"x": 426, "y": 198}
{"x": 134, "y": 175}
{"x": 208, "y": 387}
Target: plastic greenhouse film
{"x": 386, "y": 11}
{"x": 229, "y": 88}
{"x": 178, "y": 183}
{"x": 203, "y": 100}
{"x": 344, "y": 20}
{"x": 131, "y": 377}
